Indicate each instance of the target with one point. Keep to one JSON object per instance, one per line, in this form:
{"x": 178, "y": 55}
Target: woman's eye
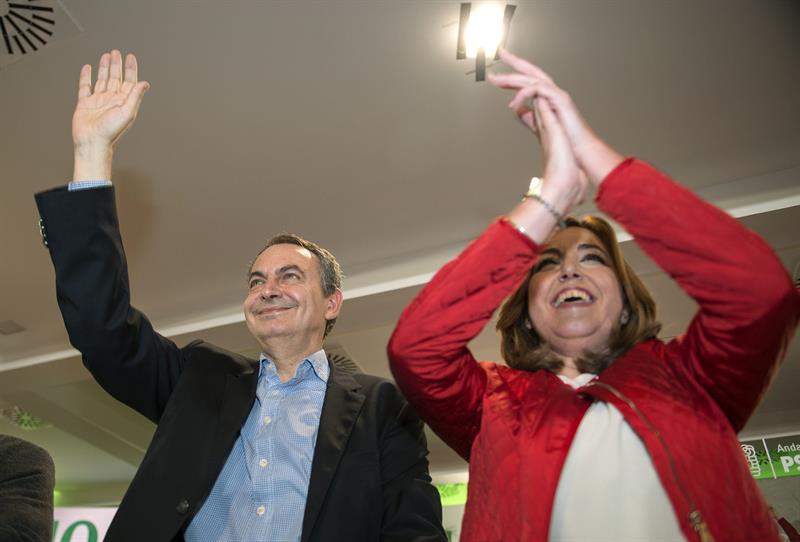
{"x": 544, "y": 264}
{"x": 595, "y": 258}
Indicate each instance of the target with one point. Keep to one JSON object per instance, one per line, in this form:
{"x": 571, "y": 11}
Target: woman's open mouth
{"x": 573, "y": 296}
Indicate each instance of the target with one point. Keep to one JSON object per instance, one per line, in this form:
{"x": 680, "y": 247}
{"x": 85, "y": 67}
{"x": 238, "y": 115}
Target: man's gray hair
{"x": 330, "y": 272}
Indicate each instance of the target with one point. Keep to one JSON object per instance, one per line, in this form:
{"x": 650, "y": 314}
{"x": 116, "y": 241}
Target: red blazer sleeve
{"x": 748, "y": 305}
{"x": 428, "y": 351}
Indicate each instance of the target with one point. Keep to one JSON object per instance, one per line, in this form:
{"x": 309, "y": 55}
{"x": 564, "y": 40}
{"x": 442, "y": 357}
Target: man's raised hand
{"x": 104, "y": 113}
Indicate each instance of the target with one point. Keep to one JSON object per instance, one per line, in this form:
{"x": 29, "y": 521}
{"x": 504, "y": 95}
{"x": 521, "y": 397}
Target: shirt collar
{"x": 318, "y": 363}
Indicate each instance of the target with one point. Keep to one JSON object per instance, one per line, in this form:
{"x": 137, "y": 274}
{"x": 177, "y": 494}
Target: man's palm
{"x": 104, "y": 113}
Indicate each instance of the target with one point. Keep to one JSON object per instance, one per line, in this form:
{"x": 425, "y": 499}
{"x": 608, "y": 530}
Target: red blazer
{"x": 686, "y": 399}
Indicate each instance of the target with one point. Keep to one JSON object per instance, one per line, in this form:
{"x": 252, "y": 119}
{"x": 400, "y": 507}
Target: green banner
{"x": 452, "y": 494}
{"x": 771, "y": 458}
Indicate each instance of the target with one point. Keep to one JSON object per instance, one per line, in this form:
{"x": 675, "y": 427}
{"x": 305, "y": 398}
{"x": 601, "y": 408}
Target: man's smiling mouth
{"x": 271, "y": 311}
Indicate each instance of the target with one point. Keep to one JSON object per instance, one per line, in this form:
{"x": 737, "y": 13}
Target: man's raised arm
{"x": 80, "y": 228}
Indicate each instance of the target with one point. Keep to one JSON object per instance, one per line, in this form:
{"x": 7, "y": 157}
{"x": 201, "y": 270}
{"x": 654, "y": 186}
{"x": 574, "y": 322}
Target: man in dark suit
{"x": 287, "y": 447}
{"x": 27, "y": 479}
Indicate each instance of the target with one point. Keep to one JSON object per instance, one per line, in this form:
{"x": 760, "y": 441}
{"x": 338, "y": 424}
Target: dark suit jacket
{"x": 369, "y": 476}
{"x": 27, "y": 479}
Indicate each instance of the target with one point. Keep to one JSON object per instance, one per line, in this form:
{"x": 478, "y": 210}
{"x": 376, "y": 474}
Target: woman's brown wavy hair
{"x": 523, "y": 349}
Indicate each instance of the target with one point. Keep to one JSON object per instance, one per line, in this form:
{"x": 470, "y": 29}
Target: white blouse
{"x": 609, "y": 490}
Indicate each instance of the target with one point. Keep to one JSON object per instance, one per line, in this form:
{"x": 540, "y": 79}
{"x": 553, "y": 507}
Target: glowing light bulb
{"x": 484, "y": 30}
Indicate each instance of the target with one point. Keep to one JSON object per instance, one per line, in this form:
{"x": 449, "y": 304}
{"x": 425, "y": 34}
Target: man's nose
{"x": 270, "y": 289}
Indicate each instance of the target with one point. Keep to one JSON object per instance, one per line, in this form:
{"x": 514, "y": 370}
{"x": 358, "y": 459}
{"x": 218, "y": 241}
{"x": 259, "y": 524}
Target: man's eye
{"x": 256, "y": 282}
{"x": 291, "y": 276}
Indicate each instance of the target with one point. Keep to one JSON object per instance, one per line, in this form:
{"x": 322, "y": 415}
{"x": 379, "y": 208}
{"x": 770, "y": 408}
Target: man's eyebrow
{"x": 291, "y": 267}
{"x": 281, "y": 271}
{"x": 258, "y": 274}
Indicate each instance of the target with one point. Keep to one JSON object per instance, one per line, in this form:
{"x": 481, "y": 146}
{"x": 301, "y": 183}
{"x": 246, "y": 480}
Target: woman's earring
{"x": 528, "y": 323}
{"x": 624, "y": 317}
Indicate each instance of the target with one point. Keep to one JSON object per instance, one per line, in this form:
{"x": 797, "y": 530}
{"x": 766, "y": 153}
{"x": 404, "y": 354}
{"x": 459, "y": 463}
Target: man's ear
{"x": 334, "y": 304}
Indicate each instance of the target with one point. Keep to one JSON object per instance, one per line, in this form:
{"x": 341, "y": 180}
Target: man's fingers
{"x": 131, "y": 75}
{"x": 134, "y": 99}
{"x": 85, "y": 81}
{"x": 131, "y": 69}
{"x": 102, "y": 73}
{"x": 115, "y": 71}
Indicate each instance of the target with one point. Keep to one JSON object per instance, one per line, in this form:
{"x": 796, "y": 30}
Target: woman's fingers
{"x": 527, "y": 87}
{"x": 561, "y": 128}
{"x": 509, "y": 80}
{"x": 523, "y": 66}
{"x": 523, "y": 96}
{"x": 521, "y": 101}
{"x": 553, "y": 94}
{"x": 547, "y": 121}
{"x": 527, "y": 116}
{"x": 561, "y": 105}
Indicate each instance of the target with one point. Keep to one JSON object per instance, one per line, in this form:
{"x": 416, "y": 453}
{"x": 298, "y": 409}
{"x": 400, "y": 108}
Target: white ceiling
{"x": 351, "y": 123}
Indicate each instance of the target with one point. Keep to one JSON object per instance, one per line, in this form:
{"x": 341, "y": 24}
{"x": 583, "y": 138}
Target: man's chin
{"x": 267, "y": 329}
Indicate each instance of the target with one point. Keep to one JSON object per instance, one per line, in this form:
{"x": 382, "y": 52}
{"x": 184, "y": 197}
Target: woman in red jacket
{"x": 595, "y": 429}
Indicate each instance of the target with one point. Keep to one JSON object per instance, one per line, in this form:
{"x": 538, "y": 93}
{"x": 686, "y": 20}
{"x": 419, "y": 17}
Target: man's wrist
{"x": 92, "y": 162}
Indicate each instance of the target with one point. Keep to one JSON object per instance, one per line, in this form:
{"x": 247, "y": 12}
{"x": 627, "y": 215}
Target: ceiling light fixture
{"x": 482, "y": 32}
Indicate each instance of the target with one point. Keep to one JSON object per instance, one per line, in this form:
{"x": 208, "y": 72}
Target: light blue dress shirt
{"x": 83, "y": 185}
{"x": 260, "y": 495}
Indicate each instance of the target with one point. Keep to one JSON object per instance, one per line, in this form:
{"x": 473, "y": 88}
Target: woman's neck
{"x": 568, "y": 367}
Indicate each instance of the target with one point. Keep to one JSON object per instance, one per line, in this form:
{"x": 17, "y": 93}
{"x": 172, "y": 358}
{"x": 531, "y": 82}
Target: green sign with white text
{"x": 771, "y": 458}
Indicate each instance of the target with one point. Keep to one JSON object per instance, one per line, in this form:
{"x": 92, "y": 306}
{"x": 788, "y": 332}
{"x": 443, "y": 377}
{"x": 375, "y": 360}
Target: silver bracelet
{"x": 547, "y": 205}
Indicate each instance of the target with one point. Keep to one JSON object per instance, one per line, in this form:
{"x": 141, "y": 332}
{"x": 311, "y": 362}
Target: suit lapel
{"x": 340, "y": 410}
{"x": 237, "y": 401}
{"x": 240, "y": 391}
